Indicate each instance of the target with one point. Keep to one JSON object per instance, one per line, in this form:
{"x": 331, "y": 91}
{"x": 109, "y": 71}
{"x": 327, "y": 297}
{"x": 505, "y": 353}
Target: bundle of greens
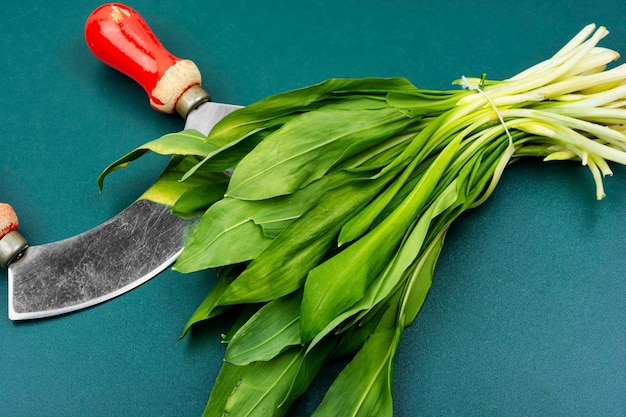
{"x": 327, "y": 233}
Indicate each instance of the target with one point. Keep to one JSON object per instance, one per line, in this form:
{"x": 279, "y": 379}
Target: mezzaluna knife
{"x": 145, "y": 238}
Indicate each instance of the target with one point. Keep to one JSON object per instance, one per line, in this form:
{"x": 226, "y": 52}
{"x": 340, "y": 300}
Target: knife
{"x": 145, "y": 238}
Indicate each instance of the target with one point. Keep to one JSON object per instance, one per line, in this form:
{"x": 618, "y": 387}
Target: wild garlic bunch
{"x": 328, "y": 231}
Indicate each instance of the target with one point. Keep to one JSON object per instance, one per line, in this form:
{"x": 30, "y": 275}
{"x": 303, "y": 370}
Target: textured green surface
{"x": 526, "y": 315}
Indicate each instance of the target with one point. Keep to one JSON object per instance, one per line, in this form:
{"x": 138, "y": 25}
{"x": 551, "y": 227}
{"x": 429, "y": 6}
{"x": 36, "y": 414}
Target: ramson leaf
{"x": 306, "y": 147}
{"x": 269, "y": 332}
{"x": 257, "y": 389}
{"x": 340, "y": 282}
{"x": 284, "y": 264}
{"x": 187, "y": 142}
{"x": 363, "y": 388}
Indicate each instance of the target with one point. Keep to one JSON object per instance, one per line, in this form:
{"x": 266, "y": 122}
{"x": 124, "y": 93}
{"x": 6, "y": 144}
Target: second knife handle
{"x": 119, "y": 37}
{"x": 12, "y": 243}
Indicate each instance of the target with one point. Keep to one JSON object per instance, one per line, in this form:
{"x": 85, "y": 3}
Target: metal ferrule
{"x": 192, "y": 98}
{"x": 12, "y": 246}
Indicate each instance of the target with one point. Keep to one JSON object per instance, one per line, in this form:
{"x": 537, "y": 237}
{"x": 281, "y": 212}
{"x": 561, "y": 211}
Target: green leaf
{"x": 227, "y": 381}
{"x": 313, "y": 361}
{"x": 379, "y": 156}
{"x": 425, "y": 103}
{"x": 283, "y": 265}
{"x": 418, "y": 284}
{"x": 234, "y": 230}
{"x": 238, "y": 132}
{"x": 277, "y": 213}
{"x": 269, "y": 332}
{"x": 305, "y": 148}
{"x": 362, "y": 221}
{"x": 208, "y": 308}
{"x": 266, "y": 388}
{"x": 168, "y": 188}
{"x": 245, "y": 313}
{"x": 363, "y": 388}
{"x": 226, "y": 234}
{"x": 198, "y": 199}
{"x": 356, "y": 333}
{"x": 187, "y": 142}
{"x": 340, "y": 282}
{"x": 250, "y": 118}
{"x": 396, "y": 269}
{"x": 255, "y": 390}
{"x": 412, "y": 246}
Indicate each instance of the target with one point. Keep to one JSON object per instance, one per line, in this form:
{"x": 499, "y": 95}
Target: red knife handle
{"x": 120, "y": 37}
{"x": 12, "y": 243}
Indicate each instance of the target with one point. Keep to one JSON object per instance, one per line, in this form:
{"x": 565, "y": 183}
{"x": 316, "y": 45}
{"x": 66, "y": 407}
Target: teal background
{"x": 526, "y": 315}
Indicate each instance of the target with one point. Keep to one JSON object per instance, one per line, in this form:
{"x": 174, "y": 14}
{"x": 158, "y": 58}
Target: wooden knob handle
{"x": 119, "y": 37}
{"x": 12, "y": 243}
{"x": 8, "y": 219}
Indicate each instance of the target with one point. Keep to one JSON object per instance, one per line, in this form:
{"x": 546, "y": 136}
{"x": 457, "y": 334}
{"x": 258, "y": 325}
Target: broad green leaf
{"x": 355, "y": 334}
{"x": 168, "y": 188}
{"x": 227, "y": 381}
{"x": 276, "y": 214}
{"x": 198, "y": 199}
{"x": 304, "y": 149}
{"x": 283, "y": 265}
{"x": 413, "y": 152}
{"x": 251, "y": 118}
{"x": 362, "y": 221}
{"x": 395, "y": 271}
{"x": 255, "y": 390}
{"x": 269, "y": 332}
{"x": 341, "y": 281}
{"x": 187, "y": 142}
{"x": 225, "y": 235}
{"x": 273, "y": 227}
{"x": 234, "y": 230}
{"x": 244, "y": 128}
{"x": 241, "y": 130}
{"x": 425, "y": 103}
{"x": 266, "y": 388}
{"x": 314, "y": 360}
{"x": 381, "y": 289}
{"x": 418, "y": 284}
{"x": 208, "y": 308}
{"x": 246, "y": 312}
{"x": 411, "y": 248}
{"x": 363, "y": 388}
{"x": 228, "y": 156}
{"x": 379, "y": 156}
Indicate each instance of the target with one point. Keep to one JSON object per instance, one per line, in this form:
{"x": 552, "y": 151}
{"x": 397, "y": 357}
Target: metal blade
{"x": 205, "y": 116}
{"x": 97, "y": 265}
{"x": 106, "y": 261}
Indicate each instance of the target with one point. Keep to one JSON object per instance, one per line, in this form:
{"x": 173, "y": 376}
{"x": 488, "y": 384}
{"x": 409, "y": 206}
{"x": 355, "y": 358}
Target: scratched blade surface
{"x": 97, "y": 265}
{"x": 106, "y": 261}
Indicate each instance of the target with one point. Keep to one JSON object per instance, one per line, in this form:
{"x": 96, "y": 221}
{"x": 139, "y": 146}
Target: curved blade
{"x": 108, "y": 260}
{"x": 97, "y": 265}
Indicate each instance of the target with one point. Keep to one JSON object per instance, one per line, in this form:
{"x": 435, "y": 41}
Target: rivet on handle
{"x": 119, "y": 37}
{"x": 12, "y": 243}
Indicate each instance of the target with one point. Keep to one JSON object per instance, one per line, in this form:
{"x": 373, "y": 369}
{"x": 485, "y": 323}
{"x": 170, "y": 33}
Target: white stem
{"x": 600, "y": 131}
{"x": 565, "y": 135}
{"x": 594, "y": 62}
{"x": 575, "y": 42}
{"x": 534, "y": 81}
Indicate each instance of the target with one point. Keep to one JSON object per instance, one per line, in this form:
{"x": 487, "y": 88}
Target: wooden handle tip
{"x": 8, "y": 219}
